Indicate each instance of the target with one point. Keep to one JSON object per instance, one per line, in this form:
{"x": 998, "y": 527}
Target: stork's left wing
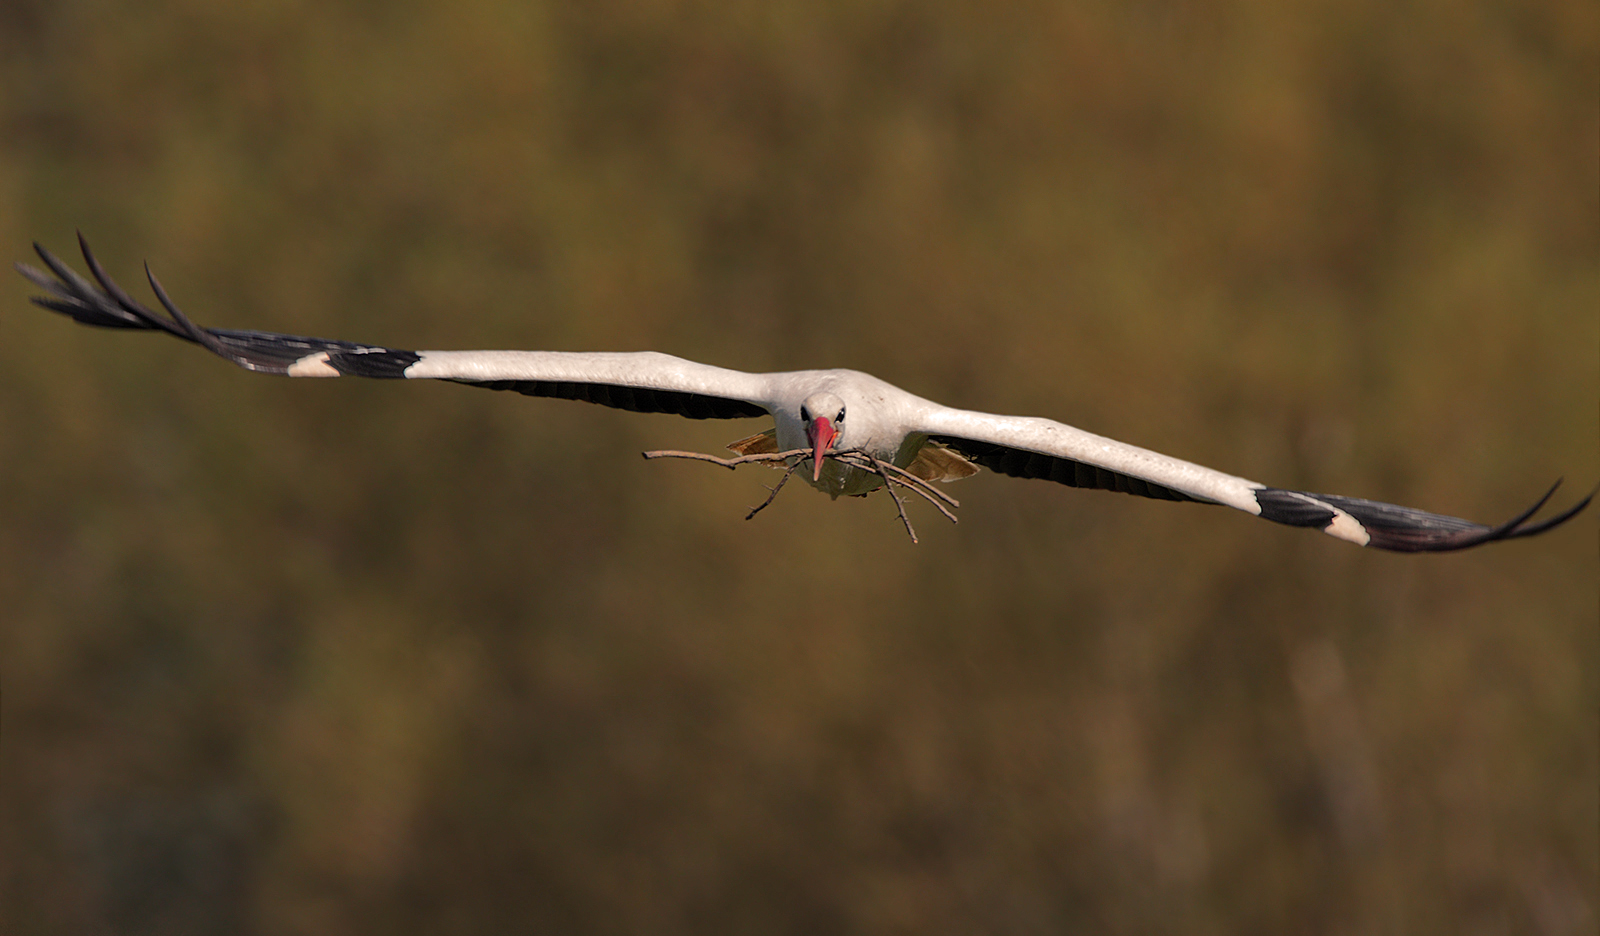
{"x": 1027, "y": 447}
{"x": 642, "y": 381}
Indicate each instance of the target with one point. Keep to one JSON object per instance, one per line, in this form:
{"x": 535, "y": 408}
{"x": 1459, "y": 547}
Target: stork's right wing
{"x": 642, "y": 381}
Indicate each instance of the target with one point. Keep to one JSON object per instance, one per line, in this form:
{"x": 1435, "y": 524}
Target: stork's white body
{"x": 824, "y": 411}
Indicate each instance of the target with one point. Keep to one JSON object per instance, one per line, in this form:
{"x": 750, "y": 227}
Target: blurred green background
{"x": 358, "y": 657}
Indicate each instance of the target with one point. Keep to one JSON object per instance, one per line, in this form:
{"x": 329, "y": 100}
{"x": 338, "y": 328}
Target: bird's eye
{"x": 839, "y": 418}
{"x": 805, "y": 414}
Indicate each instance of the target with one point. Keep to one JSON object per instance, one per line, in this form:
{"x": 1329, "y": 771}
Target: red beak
{"x": 821, "y": 433}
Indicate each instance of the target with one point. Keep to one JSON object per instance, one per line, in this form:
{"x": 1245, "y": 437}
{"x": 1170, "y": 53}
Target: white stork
{"x": 828, "y": 413}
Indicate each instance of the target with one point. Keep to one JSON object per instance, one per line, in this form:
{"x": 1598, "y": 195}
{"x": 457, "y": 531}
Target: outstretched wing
{"x": 644, "y": 382}
{"x": 1040, "y": 448}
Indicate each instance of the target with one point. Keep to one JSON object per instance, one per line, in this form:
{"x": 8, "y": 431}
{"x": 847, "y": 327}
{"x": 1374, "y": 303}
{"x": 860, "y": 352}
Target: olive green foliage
{"x": 359, "y": 657}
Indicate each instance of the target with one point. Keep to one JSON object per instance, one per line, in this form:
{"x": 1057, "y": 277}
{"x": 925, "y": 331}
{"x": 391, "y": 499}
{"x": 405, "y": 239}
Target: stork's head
{"x": 823, "y": 415}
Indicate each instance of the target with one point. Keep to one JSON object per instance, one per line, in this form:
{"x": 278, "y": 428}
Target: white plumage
{"x": 822, "y": 411}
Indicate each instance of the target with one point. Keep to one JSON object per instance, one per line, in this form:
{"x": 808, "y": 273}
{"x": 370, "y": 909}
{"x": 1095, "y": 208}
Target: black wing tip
{"x": 104, "y": 305}
{"x": 1517, "y": 527}
{"x": 1552, "y": 522}
{"x": 1404, "y": 529}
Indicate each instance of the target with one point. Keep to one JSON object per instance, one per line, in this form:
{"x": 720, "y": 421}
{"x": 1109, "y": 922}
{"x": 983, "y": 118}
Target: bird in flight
{"x": 856, "y": 433}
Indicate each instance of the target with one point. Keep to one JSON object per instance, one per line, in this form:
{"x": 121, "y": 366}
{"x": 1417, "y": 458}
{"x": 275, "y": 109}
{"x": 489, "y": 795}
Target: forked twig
{"x": 903, "y": 478}
{"x": 772, "y": 492}
{"x": 912, "y": 481}
{"x": 891, "y": 474}
{"x": 888, "y": 485}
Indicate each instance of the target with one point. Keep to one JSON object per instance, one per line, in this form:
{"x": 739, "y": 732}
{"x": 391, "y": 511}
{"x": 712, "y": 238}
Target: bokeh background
{"x": 358, "y": 657}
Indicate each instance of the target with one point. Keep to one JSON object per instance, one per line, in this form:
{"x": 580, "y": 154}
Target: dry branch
{"x": 891, "y": 474}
